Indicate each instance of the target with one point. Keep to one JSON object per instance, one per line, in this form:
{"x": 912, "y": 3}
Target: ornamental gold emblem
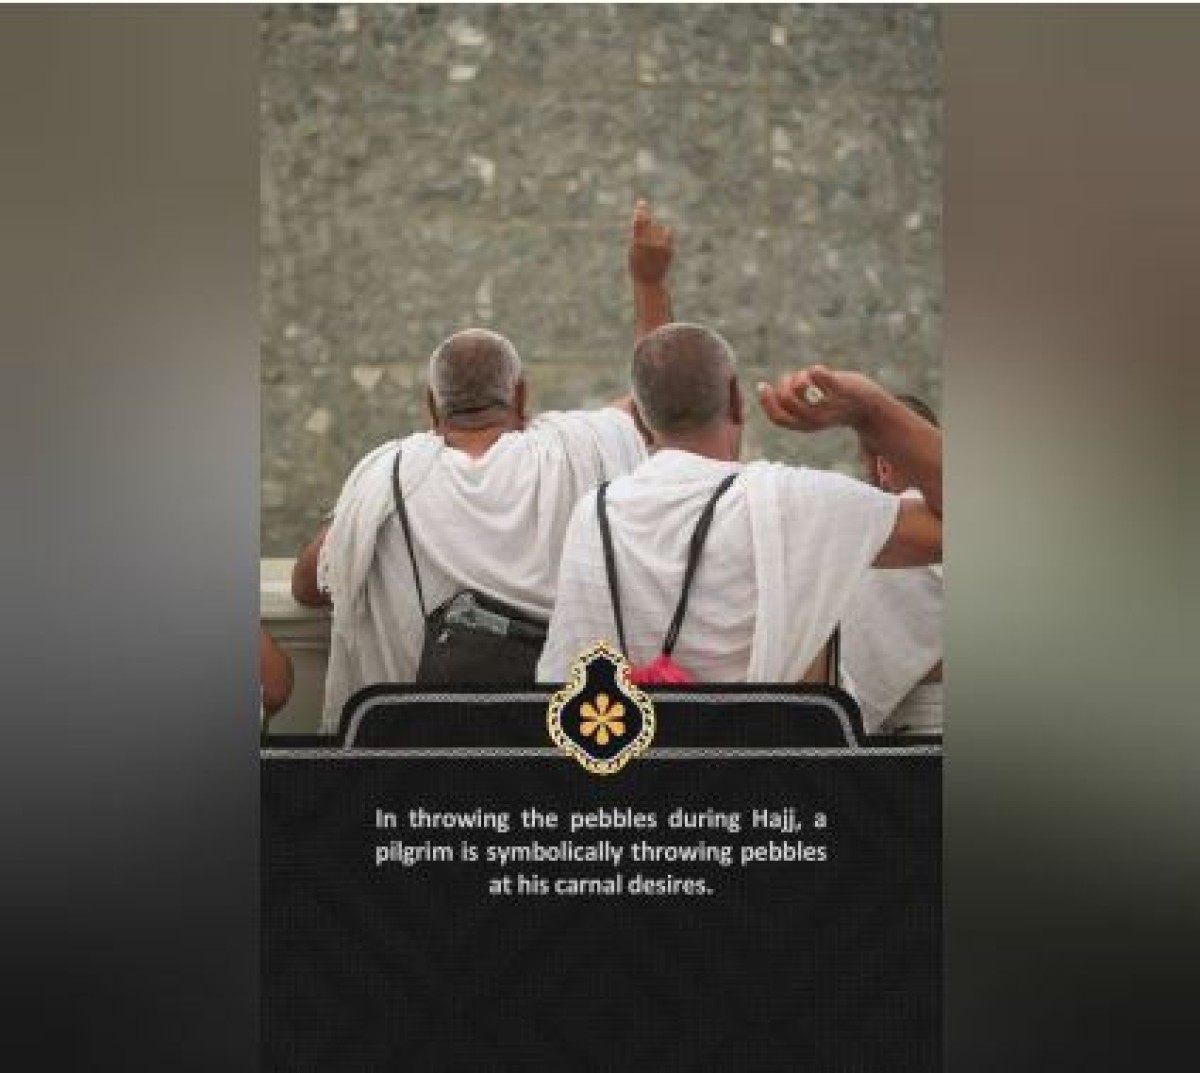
{"x": 600, "y": 718}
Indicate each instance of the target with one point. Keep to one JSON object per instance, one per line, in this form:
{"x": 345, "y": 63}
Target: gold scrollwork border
{"x": 575, "y": 685}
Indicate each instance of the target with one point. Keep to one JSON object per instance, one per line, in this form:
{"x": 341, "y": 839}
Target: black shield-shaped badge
{"x": 600, "y": 717}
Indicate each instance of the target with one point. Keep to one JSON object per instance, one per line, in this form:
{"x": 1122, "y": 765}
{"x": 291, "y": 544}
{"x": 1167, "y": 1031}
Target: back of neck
{"x": 707, "y": 444}
{"x": 475, "y": 442}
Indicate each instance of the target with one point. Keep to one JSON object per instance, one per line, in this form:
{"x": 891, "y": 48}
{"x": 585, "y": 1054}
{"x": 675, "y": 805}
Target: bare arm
{"x": 275, "y": 673}
{"x": 916, "y": 538}
{"x": 818, "y": 398}
{"x": 650, "y": 249}
{"x": 305, "y": 589}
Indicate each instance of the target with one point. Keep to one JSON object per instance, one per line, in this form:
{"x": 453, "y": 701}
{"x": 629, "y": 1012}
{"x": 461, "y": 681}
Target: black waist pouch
{"x": 473, "y": 639}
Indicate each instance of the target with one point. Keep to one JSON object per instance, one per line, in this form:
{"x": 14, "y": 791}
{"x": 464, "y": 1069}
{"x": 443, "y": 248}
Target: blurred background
{"x": 129, "y": 321}
{"x": 425, "y": 168}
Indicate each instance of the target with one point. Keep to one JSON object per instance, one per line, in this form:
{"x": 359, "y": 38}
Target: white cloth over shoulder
{"x": 493, "y": 523}
{"x": 786, "y": 549}
{"x": 891, "y": 639}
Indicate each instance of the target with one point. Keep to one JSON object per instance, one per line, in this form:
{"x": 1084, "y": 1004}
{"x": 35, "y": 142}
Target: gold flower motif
{"x": 604, "y": 719}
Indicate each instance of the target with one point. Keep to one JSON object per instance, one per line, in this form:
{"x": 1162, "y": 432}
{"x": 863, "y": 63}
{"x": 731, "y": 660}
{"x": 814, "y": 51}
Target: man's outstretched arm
{"x": 651, "y": 247}
{"x": 818, "y": 398}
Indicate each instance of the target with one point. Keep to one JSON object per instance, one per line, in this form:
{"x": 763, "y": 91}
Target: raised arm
{"x": 818, "y": 398}
{"x": 650, "y": 249}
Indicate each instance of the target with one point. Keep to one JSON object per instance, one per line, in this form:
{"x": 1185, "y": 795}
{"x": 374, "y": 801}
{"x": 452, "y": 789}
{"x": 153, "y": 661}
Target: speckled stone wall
{"x": 426, "y": 168}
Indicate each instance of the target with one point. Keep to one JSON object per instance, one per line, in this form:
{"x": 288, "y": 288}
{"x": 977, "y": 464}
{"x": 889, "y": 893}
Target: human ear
{"x": 737, "y": 403}
{"x": 520, "y": 399}
{"x": 886, "y": 475}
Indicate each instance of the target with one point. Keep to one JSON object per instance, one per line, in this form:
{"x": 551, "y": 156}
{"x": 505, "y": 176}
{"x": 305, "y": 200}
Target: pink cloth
{"x": 662, "y": 670}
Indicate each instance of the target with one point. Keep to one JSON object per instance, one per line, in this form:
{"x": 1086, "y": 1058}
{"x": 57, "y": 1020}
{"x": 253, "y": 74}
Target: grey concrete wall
{"x": 426, "y": 168}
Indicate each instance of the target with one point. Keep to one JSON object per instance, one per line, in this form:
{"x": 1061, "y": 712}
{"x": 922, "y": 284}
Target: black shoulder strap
{"x": 834, "y": 672}
{"x": 610, "y": 563}
{"x": 402, "y": 514}
{"x": 699, "y": 536}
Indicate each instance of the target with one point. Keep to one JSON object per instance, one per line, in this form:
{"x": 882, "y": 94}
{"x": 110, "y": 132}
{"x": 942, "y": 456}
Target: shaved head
{"x": 472, "y": 372}
{"x": 681, "y": 378}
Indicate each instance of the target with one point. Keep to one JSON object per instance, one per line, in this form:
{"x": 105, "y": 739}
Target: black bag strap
{"x": 610, "y": 563}
{"x": 833, "y": 674}
{"x": 402, "y": 514}
{"x": 699, "y": 536}
{"x": 695, "y": 548}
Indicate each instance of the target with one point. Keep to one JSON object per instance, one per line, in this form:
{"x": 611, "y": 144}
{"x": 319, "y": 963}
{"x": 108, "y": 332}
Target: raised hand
{"x": 650, "y": 247}
{"x": 818, "y": 398}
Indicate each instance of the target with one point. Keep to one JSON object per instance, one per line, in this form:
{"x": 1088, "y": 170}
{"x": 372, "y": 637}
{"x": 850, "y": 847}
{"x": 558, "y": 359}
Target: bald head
{"x": 473, "y": 372}
{"x": 682, "y": 375}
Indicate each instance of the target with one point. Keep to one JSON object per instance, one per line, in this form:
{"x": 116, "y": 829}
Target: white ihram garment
{"x": 786, "y": 549}
{"x": 494, "y": 524}
{"x": 891, "y": 639}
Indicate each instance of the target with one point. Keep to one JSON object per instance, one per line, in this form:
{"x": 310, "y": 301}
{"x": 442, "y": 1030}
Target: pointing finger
{"x": 641, "y": 216}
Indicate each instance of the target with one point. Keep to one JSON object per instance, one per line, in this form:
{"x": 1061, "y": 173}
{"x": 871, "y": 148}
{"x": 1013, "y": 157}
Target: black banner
{"x": 444, "y": 890}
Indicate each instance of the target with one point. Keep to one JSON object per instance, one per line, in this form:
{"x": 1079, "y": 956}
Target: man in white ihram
{"x": 489, "y": 494}
{"x": 787, "y": 546}
{"x": 891, "y": 647}
{"x": 488, "y": 491}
